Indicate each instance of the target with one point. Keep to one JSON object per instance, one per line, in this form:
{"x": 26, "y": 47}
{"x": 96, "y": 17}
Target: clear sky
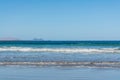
{"x": 60, "y": 19}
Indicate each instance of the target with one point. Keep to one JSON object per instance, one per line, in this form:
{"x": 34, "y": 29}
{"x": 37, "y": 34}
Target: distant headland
{"x": 9, "y": 39}
{"x": 17, "y": 39}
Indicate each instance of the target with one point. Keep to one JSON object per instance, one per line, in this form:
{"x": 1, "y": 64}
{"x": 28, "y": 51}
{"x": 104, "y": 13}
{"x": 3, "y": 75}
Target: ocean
{"x": 59, "y": 60}
{"x": 61, "y": 53}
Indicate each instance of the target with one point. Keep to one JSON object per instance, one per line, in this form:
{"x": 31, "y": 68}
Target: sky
{"x": 60, "y": 19}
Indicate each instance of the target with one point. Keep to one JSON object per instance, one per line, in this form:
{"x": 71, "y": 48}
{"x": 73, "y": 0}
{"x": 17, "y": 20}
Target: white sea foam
{"x": 61, "y": 50}
{"x": 62, "y": 64}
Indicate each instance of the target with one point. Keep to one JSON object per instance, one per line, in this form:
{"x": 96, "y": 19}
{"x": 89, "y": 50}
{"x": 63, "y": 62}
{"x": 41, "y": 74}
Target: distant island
{"x": 38, "y": 39}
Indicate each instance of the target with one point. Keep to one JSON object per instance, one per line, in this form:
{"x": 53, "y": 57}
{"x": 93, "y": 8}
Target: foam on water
{"x": 81, "y": 64}
{"x": 61, "y": 50}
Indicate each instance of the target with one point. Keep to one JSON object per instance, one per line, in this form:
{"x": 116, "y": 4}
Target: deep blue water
{"x": 72, "y": 43}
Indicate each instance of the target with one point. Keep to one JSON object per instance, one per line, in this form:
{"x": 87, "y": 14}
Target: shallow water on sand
{"x": 57, "y": 73}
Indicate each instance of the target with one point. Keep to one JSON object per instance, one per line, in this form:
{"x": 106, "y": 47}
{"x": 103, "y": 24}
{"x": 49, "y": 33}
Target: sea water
{"x": 61, "y": 53}
{"x": 59, "y": 60}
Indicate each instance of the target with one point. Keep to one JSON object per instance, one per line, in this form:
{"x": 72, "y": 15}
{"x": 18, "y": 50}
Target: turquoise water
{"x": 61, "y": 53}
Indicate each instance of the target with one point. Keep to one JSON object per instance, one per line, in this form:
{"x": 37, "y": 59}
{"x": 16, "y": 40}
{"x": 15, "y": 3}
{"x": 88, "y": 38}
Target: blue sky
{"x": 60, "y": 19}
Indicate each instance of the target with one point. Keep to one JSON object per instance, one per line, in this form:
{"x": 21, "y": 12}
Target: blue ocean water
{"x": 80, "y": 53}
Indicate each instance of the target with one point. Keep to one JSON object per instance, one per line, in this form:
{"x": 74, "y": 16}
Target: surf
{"x": 61, "y": 50}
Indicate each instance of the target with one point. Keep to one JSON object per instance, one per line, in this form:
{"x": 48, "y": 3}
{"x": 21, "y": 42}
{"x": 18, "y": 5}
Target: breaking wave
{"x": 61, "y": 50}
{"x": 80, "y": 64}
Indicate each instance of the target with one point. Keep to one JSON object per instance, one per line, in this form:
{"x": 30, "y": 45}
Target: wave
{"x": 82, "y": 64}
{"x": 61, "y": 50}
